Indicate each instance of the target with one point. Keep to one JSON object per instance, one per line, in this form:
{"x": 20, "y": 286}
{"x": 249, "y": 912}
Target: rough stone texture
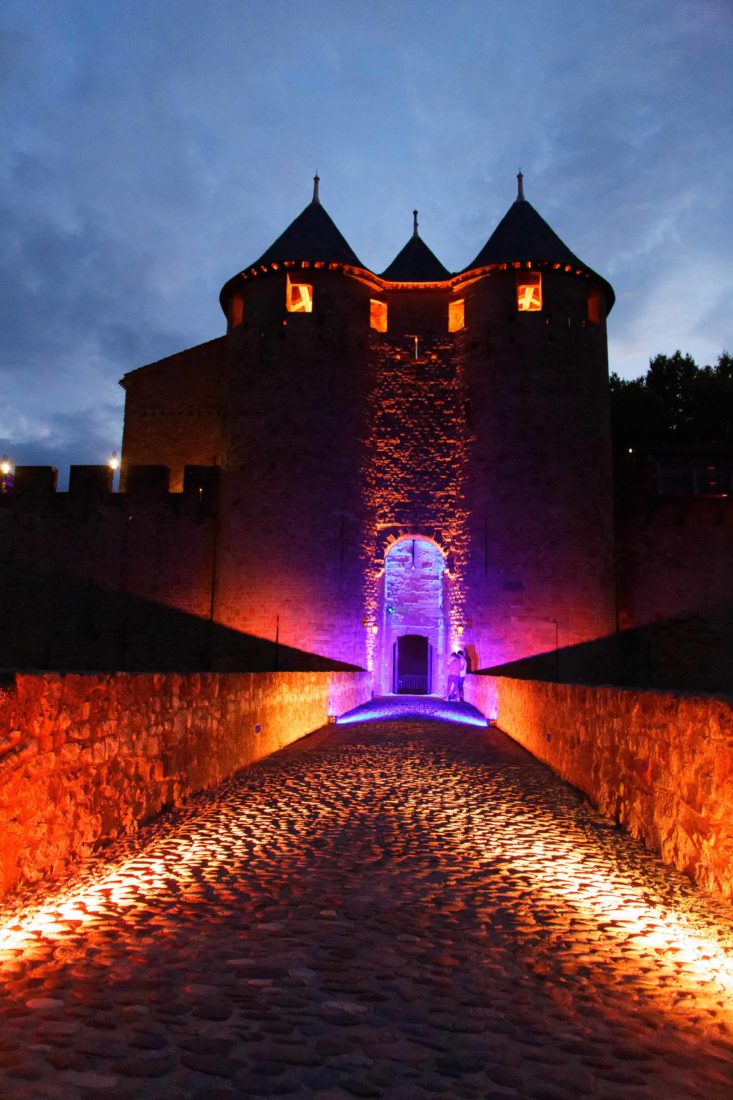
{"x": 414, "y": 580}
{"x": 336, "y": 443}
{"x": 658, "y": 763}
{"x": 414, "y": 478}
{"x": 84, "y": 758}
{"x": 538, "y": 491}
{"x": 492, "y": 442}
{"x": 394, "y": 909}
{"x": 174, "y": 410}
{"x": 676, "y": 591}
{"x": 115, "y": 582}
{"x": 288, "y": 549}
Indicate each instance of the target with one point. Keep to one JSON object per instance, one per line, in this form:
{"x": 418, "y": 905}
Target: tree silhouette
{"x": 676, "y": 406}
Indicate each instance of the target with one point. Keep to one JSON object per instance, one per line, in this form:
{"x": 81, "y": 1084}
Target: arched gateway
{"x": 372, "y": 430}
{"x": 412, "y": 665}
{"x": 413, "y": 620}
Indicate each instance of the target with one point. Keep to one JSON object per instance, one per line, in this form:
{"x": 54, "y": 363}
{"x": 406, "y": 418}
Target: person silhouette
{"x": 462, "y": 670}
{"x": 453, "y": 689}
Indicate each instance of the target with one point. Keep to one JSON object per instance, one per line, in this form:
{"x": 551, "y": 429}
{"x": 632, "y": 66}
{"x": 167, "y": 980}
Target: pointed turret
{"x": 415, "y": 263}
{"x": 313, "y": 236}
{"x": 523, "y": 236}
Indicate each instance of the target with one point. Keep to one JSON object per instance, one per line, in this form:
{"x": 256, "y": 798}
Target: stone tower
{"x": 538, "y": 490}
{"x": 416, "y": 460}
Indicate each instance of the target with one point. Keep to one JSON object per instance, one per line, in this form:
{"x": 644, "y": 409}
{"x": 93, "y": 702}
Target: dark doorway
{"x": 412, "y": 665}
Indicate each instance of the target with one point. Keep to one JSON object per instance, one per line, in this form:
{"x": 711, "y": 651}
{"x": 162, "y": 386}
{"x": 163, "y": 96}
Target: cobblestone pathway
{"x": 392, "y": 909}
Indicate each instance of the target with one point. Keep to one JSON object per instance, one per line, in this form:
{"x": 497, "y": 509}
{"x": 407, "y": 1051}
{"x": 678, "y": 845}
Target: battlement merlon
{"x": 174, "y": 410}
{"x": 35, "y": 487}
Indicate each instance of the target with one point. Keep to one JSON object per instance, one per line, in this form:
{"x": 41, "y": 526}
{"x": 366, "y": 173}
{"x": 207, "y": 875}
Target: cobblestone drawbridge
{"x": 403, "y": 909}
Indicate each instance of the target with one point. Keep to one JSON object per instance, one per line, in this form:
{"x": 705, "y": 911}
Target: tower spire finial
{"x": 520, "y": 186}
{"x": 316, "y": 180}
{"x": 414, "y": 224}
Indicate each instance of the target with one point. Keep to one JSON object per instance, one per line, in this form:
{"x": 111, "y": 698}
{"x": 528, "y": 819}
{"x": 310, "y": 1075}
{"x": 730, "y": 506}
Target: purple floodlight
{"x": 427, "y": 707}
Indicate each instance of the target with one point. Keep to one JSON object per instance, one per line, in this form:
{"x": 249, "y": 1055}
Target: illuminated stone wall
{"x": 84, "y": 758}
{"x": 174, "y": 409}
{"x": 336, "y": 442}
{"x": 288, "y": 563}
{"x": 415, "y": 459}
{"x": 413, "y": 604}
{"x": 658, "y": 763}
{"x": 538, "y": 491}
{"x": 413, "y": 479}
{"x": 675, "y": 561}
{"x": 111, "y": 581}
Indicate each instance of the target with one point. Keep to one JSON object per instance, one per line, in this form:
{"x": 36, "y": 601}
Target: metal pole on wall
{"x": 277, "y": 643}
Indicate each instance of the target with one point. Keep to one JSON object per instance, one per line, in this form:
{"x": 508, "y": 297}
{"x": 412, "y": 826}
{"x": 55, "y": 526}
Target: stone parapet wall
{"x": 86, "y": 757}
{"x": 112, "y": 583}
{"x": 675, "y": 591}
{"x": 174, "y": 410}
{"x": 659, "y": 763}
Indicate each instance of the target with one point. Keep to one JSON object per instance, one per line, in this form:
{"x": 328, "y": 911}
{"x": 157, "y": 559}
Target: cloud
{"x": 704, "y": 289}
{"x": 86, "y": 436}
{"x": 147, "y": 159}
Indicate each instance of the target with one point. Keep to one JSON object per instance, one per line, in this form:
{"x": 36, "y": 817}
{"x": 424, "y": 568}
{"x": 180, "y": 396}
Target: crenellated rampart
{"x": 95, "y": 579}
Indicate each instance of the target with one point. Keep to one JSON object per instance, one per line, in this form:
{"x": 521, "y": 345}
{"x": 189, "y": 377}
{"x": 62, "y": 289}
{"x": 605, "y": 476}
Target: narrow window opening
{"x": 378, "y": 315}
{"x": 236, "y": 311}
{"x": 456, "y": 315}
{"x": 299, "y": 297}
{"x": 595, "y": 307}
{"x": 529, "y": 292}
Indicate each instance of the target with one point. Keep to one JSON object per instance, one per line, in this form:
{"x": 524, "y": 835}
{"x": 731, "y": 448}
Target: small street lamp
{"x": 6, "y": 475}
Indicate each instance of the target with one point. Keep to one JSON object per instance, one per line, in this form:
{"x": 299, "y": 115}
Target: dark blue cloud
{"x": 152, "y": 150}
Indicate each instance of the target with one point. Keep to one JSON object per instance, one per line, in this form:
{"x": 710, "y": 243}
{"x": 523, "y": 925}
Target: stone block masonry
{"x": 658, "y": 763}
{"x": 86, "y": 757}
{"x": 173, "y": 411}
{"x": 675, "y": 589}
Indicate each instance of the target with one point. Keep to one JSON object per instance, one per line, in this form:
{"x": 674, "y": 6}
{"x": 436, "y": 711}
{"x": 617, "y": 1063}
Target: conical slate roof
{"x": 415, "y": 263}
{"x": 312, "y": 236}
{"x": 522, "y": 235}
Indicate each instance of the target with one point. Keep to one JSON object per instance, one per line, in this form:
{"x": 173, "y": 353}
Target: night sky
{"x": 150, "y": 150}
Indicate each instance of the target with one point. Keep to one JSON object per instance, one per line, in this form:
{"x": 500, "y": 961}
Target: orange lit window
{"x": 236, "y": 311}
{"x": 595, "y": 307}
{"x": 455, "y": 316}
{"x": 529, "y": 291}
{"x": 378, "y": 315}
{"x": 299, "y": 297}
